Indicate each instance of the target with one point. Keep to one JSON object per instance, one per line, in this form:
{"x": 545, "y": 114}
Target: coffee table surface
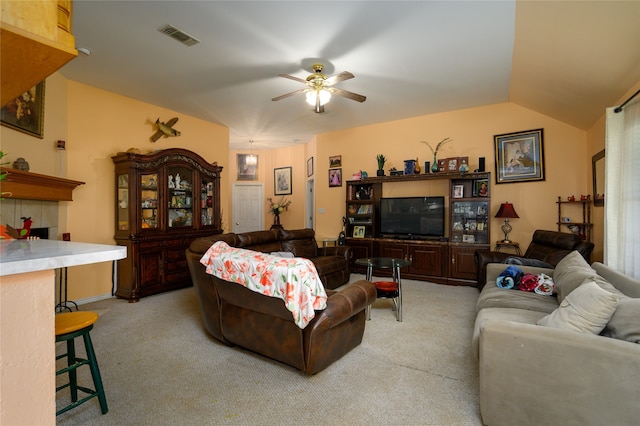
{"x": 383, "y": 262}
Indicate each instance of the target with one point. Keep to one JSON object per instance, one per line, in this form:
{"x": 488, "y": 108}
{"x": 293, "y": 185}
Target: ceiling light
{"x": 325, "y": 96}
{"x": 251, "y": 159}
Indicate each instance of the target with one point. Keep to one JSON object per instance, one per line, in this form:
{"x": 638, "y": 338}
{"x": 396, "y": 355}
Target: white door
{"x": 310, "y": 204}
{"x": 248, "y": 208}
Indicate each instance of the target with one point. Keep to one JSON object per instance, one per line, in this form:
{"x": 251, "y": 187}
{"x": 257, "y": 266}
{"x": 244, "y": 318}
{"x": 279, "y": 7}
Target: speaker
{"x": 481, "y": 164}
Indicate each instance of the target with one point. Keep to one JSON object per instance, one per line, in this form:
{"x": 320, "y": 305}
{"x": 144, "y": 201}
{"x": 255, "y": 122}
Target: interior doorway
{"x": 248, "y": 207}
{"x": 310, "y": 205}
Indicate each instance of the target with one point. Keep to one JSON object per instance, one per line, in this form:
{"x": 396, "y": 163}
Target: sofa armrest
{"x": 344, "y": 251}
{"x": 532, "y": 375}
{"x": 483, "y": 258}
{"x": 353, "y": 298}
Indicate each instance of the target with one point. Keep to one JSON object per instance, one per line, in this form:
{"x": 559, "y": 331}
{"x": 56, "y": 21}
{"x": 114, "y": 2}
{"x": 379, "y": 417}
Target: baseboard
{"x": 93, "y": 299}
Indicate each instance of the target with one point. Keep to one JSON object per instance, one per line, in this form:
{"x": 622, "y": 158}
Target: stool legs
{"x": 73, "y": 363}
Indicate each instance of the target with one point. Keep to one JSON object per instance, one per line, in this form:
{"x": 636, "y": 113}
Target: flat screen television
{"x": 412, "y": 217}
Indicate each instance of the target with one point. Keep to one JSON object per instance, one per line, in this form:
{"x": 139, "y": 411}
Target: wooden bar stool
{"x": 68, "y": 327}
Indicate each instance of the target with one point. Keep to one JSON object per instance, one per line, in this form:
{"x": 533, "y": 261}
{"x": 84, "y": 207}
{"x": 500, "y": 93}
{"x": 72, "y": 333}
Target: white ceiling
{"x": 568, "y": 60}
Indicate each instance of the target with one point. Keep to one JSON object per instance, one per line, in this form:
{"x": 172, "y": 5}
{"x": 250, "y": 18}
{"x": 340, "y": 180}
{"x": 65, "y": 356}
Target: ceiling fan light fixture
{"x": 323, "y": 94}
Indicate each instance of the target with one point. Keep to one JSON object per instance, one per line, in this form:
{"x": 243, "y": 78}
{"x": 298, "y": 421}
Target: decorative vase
{"x": 380, "y": 172}
{"x": 276, "y": 219}
{"x": 416, "y": 168}
{"x": 434, "y": 166}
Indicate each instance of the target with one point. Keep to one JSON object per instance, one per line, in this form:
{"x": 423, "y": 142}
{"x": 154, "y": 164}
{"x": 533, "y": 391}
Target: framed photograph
{"x": 25, "y": 113}
{"x": 335, "y": 177}
{"x": 247, "y": 166}
{"x": 482, "y": 188}
{"x": 310, "y": 167}
{"x": 335, "y": 161}
{"x": 452, "y": 164}
{"x": 443, "y": 164}
{"x": 458, "y": 191}
{"x": 519, "y": 156}
{"x": 358, "y": 232}
{"x": 282, "y": 181}
{"x": 466, "y": 238}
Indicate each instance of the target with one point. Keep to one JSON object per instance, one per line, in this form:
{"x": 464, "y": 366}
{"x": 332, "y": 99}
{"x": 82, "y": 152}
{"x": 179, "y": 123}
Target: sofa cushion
{"x": 570, "y": 273}
{"x": 524, "y": 316}
{"x": 625, "y": 322}
{"x": 301, "y": 248}
{"x": 495, "y": 297}
{"x": 587, "y": 309}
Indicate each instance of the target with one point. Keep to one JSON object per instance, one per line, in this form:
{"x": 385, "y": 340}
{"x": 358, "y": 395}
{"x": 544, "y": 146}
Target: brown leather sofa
{"x": 332, "y": 263}
{"x": 236, "y": 315}
{"x": 547, "y": 248}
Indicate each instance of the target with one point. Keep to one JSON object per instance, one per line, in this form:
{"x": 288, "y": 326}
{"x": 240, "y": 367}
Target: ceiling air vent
{"x": 179, "y": 35}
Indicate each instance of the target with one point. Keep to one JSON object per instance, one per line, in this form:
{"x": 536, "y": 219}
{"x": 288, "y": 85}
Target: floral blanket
{"x": 294, "y": 280}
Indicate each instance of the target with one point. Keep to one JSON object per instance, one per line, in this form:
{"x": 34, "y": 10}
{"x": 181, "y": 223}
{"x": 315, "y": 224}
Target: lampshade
{"x": 507, "y": 212}
{"x": 325, "y": 96}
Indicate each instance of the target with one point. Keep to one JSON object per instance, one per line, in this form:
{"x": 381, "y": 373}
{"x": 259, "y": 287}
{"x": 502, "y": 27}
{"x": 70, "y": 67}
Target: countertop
{"x": 20, "y": 256}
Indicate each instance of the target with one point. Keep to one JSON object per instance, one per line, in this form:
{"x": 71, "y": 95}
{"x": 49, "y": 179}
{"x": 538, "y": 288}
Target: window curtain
{"x": 622, "y": 190}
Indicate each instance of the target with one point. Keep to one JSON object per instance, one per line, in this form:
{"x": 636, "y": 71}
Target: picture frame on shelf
{"x": 25, "y": 113}
{"x": 452, "y": 164}
{"x": 468, "y": 238}
{"x": 520, "y": 156}
{"x": 335, "y": 177}
{"x": 335, "y": 161}
{"x": 458, "y": 191}
{"x": 310, "y": 167}
{"x": 247, "y": 166}
{"x": 282, "y": 181}
{"x": 358, "y": 231}
{"x": 481, "y": 188}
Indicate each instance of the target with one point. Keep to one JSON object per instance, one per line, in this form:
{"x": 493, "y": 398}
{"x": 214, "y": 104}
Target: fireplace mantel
{"x": 33, "y": 186}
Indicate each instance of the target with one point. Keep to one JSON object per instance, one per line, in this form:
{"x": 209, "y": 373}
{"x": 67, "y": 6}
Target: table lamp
{"x": 507, "y": 212}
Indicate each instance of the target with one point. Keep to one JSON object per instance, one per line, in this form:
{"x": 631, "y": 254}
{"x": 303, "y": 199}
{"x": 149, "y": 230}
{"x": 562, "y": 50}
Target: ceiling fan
{"x": 319, "y": 88}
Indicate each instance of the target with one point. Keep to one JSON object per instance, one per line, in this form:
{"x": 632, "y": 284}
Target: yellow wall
{"x": 472, "y": 131}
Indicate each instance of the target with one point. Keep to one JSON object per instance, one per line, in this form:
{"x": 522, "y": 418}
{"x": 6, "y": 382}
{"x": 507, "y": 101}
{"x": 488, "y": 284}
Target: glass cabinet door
{"x": 123, "y": 202}
{"x": 180, "y": 182}
{"x": 206, "y": 203}
{"x": 149, "y": 200}
{"x": 469, "y": 222}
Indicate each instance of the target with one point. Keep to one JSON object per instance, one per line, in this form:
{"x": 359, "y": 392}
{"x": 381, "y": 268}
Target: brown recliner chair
{"x": 547, "y": 248}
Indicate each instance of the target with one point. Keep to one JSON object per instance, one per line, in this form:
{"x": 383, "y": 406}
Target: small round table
{"x": 508, "y": 244}
{"x": 386, "y": 289}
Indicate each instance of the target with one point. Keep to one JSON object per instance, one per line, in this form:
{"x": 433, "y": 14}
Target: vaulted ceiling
{"x": 569, "y": 60}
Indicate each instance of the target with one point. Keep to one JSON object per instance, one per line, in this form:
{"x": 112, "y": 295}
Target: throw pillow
{"x": 587, "y": 309}
{"x": 570, "y": 273}
{"x": 301, "y": 248}
{"x": 625, "y": 322}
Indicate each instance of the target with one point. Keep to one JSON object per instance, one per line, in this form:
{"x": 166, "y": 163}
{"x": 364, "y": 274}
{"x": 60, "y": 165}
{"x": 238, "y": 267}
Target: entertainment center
{"x": 438, "y": 230}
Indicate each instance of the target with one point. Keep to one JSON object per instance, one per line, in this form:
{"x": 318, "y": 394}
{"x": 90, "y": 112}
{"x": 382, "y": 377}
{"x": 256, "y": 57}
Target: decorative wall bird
{"x": 165, "y": 129}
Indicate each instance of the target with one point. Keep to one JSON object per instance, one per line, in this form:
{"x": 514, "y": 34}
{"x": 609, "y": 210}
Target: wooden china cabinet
{"x": 164, "y": 200}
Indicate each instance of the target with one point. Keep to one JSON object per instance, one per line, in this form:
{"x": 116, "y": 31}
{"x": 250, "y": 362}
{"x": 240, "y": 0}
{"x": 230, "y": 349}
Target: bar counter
{"x": 27, "y": 337}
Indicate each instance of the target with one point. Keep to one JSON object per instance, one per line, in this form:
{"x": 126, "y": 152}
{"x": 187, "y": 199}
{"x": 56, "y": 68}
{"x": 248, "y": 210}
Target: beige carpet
{"x": 160, "y": 367}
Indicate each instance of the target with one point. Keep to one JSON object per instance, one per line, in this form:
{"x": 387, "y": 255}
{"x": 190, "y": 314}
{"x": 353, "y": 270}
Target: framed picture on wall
{"x": 519, "y": 156}
{"x": 25, "y": 113}
{"x": 282, "y": 181}
{"x": 247, "y": 166}
{"x": 310, "y": 167}
{"x": 335, "y": 177}
{"x": 335, "y": 161}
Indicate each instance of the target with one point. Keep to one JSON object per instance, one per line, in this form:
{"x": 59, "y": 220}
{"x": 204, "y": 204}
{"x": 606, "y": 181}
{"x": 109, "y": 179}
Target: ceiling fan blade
{"x": 350, "y": 95}
{"x": 291, "y": 77}
{"x": 345, "y": 75}
{"x": 286, "y": 95}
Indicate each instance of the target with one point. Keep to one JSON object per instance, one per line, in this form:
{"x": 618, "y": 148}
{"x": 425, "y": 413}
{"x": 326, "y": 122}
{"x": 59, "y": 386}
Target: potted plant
{"x": 381, "y": 160}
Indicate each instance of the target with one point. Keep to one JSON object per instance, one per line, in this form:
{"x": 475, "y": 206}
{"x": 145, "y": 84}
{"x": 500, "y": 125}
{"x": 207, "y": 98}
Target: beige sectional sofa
{"x": 550, "y": 374}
